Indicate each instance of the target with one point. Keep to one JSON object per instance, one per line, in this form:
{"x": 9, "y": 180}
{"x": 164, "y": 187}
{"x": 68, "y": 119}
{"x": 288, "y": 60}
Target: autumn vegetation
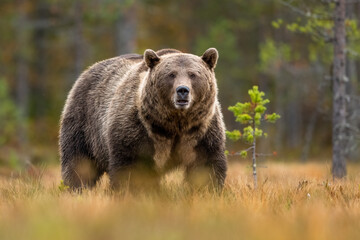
{"x": 292, "y": 201}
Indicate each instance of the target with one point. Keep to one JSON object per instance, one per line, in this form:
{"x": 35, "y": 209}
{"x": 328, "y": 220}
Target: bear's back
{"x": 90, "y": 97}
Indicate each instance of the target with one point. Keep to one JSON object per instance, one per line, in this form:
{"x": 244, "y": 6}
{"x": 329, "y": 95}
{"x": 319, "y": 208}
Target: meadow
{"x": 293, "y": 201}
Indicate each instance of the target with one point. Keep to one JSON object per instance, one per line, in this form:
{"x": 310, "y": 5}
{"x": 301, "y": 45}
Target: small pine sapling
{"x": 251, "y": 114}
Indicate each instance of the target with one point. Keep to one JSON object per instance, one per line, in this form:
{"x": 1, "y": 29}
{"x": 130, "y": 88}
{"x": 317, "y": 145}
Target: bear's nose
{"x": 182, "y": 91}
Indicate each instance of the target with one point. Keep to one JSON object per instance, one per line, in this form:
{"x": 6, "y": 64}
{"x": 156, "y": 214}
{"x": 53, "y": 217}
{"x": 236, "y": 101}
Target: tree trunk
{"x": 22, "y": 71}
{"x": 357, "y": 67}
{"x": 339, "y": 128}
{"x": 39, "y": 39}
{"x": 293, "y": 118}
{"x": 254, "y": 155}
{"x": 279, "y": 109}
{"x": 310, "y": 128}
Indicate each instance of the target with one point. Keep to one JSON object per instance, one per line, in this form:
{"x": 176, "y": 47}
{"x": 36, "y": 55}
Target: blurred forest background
{"x": 284, "y": 47}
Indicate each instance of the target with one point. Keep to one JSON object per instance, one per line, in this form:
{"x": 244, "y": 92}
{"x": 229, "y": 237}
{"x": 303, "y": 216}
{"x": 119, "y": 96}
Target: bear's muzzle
{"x": 182, "y": 97}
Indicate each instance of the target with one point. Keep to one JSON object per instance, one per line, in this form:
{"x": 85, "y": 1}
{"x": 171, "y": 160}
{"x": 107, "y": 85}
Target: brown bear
{"x": 137, "y": 117}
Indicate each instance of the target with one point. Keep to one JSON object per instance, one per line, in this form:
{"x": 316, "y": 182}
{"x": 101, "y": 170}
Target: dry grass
{"x": 293, "y": 201}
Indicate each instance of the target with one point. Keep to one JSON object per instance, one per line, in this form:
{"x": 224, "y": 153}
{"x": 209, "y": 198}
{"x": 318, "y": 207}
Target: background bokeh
{"x": 46, "y": 44}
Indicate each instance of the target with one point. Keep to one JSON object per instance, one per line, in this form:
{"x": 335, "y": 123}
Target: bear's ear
{"x": 151, "y": 58}
{"x": 210, "y": 57}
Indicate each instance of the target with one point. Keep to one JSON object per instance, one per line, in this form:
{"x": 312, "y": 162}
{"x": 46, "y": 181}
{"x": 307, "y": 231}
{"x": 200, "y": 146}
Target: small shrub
{"x": 251, "y": 115}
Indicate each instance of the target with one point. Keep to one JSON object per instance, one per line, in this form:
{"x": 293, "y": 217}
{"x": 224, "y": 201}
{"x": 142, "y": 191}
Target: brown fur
{"x": 120, "y": 118}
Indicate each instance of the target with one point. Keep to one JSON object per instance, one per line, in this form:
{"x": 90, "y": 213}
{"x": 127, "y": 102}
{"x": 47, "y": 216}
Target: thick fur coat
{"x": 136, "y": 117}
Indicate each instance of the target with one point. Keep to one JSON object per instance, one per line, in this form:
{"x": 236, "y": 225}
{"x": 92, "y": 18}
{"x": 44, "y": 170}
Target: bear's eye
{"x": 192, "y": 75}
{"x": 172, "y": 75}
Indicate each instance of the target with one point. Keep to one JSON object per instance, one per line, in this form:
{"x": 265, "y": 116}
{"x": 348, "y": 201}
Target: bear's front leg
{"x": 208, "y": 171}
{"x": 134, "y": 177}
{"x": 131, "y": 165}
{"x": 120, "y": 173}
{"x": 210, "y": 159}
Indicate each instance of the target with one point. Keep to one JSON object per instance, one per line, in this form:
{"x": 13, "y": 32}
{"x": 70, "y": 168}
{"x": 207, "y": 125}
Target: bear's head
{"x": 182, "y": 80}
{"x": 180, "y": 84}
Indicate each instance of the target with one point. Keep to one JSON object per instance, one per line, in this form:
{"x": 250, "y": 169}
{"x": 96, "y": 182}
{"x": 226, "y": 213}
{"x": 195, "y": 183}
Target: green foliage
{"x": 243, "y": 118}
{"x": 277, "y": 23}
{"x": 352, "y": 30}
{"x": 318, "y": 24}
{"x": 251, "y": 114}
{"x": 239, "y": 109}
{"x": 243, "y": 154}
{"x": 62, "y": 187}
{"x": 258, "y": 132}
{"x": 14, "y": 161}
{"x": 272, "y": 117}
{"x": 234, "y": 135}
{"x": 8, "y": 114}
{"x": 271, "y": 54}
{"x": 248, "y": 134}
{"x": 353, "y": 37}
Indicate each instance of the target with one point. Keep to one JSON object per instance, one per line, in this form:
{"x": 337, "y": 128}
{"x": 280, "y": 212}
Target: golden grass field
{"x": 293, "y": 201}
